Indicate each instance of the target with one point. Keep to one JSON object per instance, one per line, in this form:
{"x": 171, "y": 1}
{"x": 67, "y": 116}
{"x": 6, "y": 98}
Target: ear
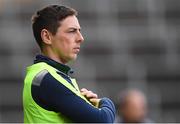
{"x": 46, "y": 36}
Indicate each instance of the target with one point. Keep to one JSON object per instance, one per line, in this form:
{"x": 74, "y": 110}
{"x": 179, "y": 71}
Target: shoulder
{"x": 45, "y": 89}
{"x": 45, "y": 82}
{"x": 39, "y": 77}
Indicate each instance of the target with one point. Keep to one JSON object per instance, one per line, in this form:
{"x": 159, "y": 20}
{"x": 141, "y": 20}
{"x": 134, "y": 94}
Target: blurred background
{"x": 128, "y": 44}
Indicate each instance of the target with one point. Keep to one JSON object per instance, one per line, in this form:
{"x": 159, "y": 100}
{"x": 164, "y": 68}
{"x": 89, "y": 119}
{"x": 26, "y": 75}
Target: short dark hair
{"x": 49, "y": 18}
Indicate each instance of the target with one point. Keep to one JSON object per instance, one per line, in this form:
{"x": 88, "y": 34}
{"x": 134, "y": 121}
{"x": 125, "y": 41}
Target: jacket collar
{"x": 61, "y": 67}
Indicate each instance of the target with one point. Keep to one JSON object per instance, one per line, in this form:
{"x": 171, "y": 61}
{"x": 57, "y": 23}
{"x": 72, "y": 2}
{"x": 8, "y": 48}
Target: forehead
{"x": 70, "y": 22}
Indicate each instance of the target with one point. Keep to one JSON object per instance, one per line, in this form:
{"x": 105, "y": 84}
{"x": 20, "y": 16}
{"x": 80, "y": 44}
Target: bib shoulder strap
{"x": 53, "y": 72}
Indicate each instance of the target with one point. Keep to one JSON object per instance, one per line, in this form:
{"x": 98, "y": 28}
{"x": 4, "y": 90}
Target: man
{"x": 133, "y": 107}
{"x": 50, "y": 94}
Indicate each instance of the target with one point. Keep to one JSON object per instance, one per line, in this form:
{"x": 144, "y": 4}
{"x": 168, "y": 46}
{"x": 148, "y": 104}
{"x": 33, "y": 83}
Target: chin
{"x": 73, "y": 57}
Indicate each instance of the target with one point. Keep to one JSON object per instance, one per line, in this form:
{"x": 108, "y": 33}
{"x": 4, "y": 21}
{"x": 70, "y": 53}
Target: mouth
{"x": 77, "y": 49}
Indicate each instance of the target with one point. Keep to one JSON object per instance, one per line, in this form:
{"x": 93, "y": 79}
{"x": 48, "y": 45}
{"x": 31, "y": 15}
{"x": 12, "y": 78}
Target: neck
{"x": 53, "y": 56}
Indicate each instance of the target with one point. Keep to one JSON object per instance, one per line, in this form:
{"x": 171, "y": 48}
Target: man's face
{"x": 135, "y": 108}
{"x": 67, "y": 40}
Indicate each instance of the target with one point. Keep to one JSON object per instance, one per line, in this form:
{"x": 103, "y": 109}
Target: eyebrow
{"x": 74, "y": 28}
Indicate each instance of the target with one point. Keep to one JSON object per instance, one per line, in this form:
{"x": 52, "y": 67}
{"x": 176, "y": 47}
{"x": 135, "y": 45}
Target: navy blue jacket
{"x": 53, "y": 96}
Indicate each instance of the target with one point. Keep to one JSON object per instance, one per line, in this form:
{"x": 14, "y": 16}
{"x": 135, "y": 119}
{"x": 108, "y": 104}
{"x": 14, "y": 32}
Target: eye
{"x": 72, "y": 30}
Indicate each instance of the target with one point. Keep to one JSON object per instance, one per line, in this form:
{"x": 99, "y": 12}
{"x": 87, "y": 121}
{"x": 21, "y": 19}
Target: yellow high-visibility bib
{"x": 33, "y": 113}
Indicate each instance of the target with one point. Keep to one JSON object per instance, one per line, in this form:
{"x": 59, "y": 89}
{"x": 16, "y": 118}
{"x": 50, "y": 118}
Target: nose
{"x": 80, "y": 37}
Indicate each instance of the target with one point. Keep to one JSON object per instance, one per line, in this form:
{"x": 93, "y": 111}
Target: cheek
{"x": 67, "y": 42}
{"x": 65, "y": 45}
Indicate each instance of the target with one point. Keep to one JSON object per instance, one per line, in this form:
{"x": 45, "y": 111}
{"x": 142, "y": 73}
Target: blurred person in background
{"x": 50, "y": 93}
{"x": 133, "y": 107}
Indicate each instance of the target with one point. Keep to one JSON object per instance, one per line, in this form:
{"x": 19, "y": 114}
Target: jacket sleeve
{"x": 54, "y": 96}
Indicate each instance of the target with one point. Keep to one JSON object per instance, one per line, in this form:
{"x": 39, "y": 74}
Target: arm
{"x": 56, "y": 97}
